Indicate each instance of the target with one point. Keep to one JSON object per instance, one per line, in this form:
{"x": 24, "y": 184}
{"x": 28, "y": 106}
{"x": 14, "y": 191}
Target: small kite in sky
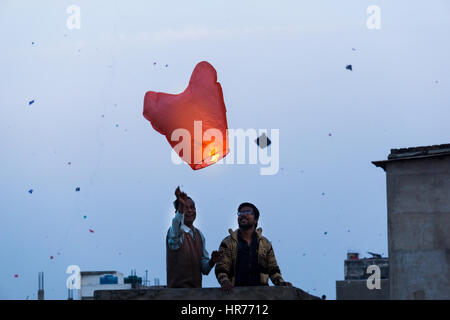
{"x": 16, "y": 276}
{"x": 91, "y": 231}
{"x": 194, "y": 122}
{"x": 263, "y": 141}
{"x": 349, "y": 67}
{"x": 325, "y": 233}
{"x": 77, "y": 189}
{"x": 84, "y": 217}
{"x": 30, "y": 191}
{"x": 51, "y": 257}
{"x": 31, "y": 102}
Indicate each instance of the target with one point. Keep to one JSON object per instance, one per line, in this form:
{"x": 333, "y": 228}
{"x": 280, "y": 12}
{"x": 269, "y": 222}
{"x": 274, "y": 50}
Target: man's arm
{"x": 224, "y": 266}
{"x": 175, "y": 234}
{"x": 273, "y": 268}
{"x": 206, "y": 265}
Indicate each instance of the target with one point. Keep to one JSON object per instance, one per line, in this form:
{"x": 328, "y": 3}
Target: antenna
{"x": 146, "y": 277}
{"x": 41, "y": 285}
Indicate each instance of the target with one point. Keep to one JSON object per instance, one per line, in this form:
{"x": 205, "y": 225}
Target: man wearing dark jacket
{"x": 248, "y": 256}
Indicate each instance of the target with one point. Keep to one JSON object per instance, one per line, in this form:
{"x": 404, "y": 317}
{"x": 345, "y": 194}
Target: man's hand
{"x": 285, "y": 284}
{"x": 216, "y": 256}
{"x": 227, "y": 286}
{"x": 181, "y": 197}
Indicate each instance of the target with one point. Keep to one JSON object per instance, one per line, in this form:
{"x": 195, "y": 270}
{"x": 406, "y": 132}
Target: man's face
{"x": 189, "y": 212}
{"x": 246, "y": 220}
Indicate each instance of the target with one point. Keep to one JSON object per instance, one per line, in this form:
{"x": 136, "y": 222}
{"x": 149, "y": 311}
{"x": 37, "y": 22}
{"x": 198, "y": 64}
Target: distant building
{"x": 418, "y": 204}
{"x": 355, "y": 287}
{"x": 100, "y": 280}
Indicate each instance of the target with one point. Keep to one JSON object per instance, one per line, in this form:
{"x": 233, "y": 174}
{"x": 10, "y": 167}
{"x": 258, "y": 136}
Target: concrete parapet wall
{"x": 239, "y": 293}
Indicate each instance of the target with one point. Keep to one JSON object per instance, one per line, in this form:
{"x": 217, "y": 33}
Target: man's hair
{"x": 176, "y": 203}
{"x": 251, "y": 205}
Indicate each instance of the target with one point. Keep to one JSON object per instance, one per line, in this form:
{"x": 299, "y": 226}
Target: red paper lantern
{"x": 194, "y": 122}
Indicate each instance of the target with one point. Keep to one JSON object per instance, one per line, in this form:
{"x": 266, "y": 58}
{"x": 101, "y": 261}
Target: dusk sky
{"x": 281, "y": 65}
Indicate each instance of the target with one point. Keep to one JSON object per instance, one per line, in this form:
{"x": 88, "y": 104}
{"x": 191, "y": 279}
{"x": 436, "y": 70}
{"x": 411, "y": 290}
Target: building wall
{"x": 357, "y": 269}
{"x": 357, "y": 290}
{"x": 90, "y": 283}
{"x": 418, "y": 200}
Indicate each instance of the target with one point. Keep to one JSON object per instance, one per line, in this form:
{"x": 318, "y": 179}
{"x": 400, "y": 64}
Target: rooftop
{"x": 414, "y": 153}
{"x": 96, "y": 273}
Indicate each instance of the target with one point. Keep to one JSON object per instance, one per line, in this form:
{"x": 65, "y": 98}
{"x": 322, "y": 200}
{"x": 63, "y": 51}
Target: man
{"x": 248, "y": 257}
{"x": 186, "y": 255}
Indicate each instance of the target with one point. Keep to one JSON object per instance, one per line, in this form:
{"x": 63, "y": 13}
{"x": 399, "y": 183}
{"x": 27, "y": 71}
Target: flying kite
{"x": 263, "y": 141}
{"x": 194, "y": 122}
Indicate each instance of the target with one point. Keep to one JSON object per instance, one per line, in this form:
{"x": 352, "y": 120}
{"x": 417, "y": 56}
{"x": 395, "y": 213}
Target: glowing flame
{"x": 214, "y": 155}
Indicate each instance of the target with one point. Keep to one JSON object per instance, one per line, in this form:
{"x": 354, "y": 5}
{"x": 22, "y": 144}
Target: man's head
{"x": 248, "y": 216}
{"x": 190, "y": 212}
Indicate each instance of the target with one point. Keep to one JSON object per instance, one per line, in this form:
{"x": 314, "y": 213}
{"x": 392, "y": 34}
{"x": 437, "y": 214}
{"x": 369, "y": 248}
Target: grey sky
{"x": 281, "y": 65}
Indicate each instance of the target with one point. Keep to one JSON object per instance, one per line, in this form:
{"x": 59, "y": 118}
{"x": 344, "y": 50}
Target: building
{"x": 100, "y": 280}
{"x": 418, "y": 204}
{"x": 355, "y": 287}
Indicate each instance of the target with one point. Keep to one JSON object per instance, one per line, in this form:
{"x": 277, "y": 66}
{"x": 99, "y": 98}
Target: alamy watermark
{"x": 74, "y": 280}
{"x": 374, "y": 19}
{"x": 241, "y": 145}
{"x": 374, "y": 281}
{"x": 74, "y": 20}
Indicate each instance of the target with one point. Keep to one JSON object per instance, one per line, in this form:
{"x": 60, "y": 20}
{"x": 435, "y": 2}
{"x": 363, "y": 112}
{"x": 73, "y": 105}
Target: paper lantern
{"x": 194, "y": 122}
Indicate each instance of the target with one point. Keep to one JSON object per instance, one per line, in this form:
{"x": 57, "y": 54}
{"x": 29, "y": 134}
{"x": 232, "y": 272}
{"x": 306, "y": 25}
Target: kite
{"x": 194, "y": 122}
{"x": 31, "y": 102}
{"x": 349, "y": 67}
{"x": 263, "y": 141}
